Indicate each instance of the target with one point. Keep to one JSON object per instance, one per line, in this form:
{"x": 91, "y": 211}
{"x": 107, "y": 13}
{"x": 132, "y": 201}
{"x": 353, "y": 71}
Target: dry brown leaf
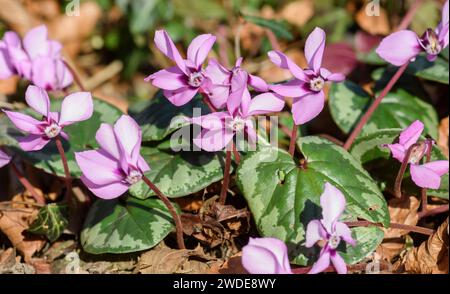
{"x": 9, "y": 86}
{"x": 232, "y": 266}
{"x": 375, "y": 25}
{"x": 443, "y": 136}
{"x": 14, "y": 220}
{"x": 16, "y": 16}
{"x": 402, "y": 212}
{"x": 190, "y": 204}
{"x": 431, "y": 257}
{"x": 47, "y": 9}
{"x": 298, "y": 12}
{"x": 164, "y": 260}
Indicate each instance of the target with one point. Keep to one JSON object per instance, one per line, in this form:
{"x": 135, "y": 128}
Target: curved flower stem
{"x": 409, "y": 16}
{"x": 401, "y": 173}
{"x": 423, "y": 191}
{"x": 171, "y": 208}
{"x": 28, "y": 186}
{"x": 365, "y": 118}
{"x": 415, "y": 229}
{"x": 226, "y": 178}
{"x": 68, "y": 177}
{"x": 75, "y": 75}
{"x": 435, "y": 211}
{"x": 293, "y": 140}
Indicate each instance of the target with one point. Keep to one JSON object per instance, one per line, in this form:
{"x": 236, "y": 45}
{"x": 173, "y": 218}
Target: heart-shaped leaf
{"x": 125, "y": 225}
{"x": 383, "y": 168}
{"x": 368, "y": 240}
{"x": 81, "y": 138}
{"x": 398, "y": 109}
{"x": 158, "y": 117}
{"x": 179, "y": 174}
{"x": 436, "y": 71}
{"x": 284, "y": 197}
{"x": 51, "y": 221}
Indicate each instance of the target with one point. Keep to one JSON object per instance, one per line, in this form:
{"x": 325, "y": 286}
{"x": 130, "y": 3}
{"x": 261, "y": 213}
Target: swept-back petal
{"x": 35, "y": 42}
{"x": 99, "y": 167}
{"x": 411, "y": 134}
{"x": 76, "y": 107}
{"x": 109, "y": 191}
{"x": 32, "y": 142}
{"x": 314, "y": 48}
{"x": 38, "y": 99}
{"x": 266, "y": 103}
{"x": 306, "y": 108}
{"x": 281, "y": 60}
{"x": 399, "y": 47}
{"x": 429, "y": 175}
{"x": 199, "y": 48}
{"x": 24, "y": 122}
{"x": 333, "y": 203}
{"x": 165, "y": 44}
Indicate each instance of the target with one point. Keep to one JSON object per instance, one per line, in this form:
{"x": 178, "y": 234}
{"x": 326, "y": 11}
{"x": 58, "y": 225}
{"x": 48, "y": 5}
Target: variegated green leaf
{"x": 398, "y": 109}
{"x": 158, "y": 117}
{"x": 284, "y": 197}
{"x": 51, "y": 221}
{"x": 179, "y": 174}
{"x": 436, "y": 71}
{"x": 368, "y": 240}
{"x": 82, "y": 137}
{"x": 125, "y": 225}
{"x": 383, "y": 168}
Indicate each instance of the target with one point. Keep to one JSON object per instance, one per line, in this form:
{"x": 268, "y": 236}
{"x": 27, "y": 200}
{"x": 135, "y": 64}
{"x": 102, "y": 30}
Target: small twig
{"x": 401, "y": 173}
{"x": 293, "y": 140}
{"x": 435, "y": 211}
{"x": 409, "y": 16}
{"x": 172, "y": 211}
{"x": 365, "y": 118}
{"x": 75, "y": 75}
{"x": 28, "y": 186}
{"x": 226, "y": 178}
{"x": 415, "y": 229}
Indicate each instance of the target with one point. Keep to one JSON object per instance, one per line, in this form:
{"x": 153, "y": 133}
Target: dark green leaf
{"x": 125, "y": 225}
{"x": 436, "y": 71}
{"x": 280, "y": 29}
{"x": 51, "y": 221}
{"x": 283, "y": 198}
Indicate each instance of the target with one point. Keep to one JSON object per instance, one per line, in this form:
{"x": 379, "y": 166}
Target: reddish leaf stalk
{"x": 401, "y": 173}
{"x": 435, "y": 211}
{"x": 409, "y": 16}
{"x": 366, "y": 117}
{"x": 75, "y": 75}
{"x": 28, "y": 186}
{"x": 293, "y": 140}
{"x": 226, "y": 178}
{"x": 423, "y": 191}
{"x": 68, "y": 177}
{"x": 172, "y": 211}
{"x": 415, "y": 229}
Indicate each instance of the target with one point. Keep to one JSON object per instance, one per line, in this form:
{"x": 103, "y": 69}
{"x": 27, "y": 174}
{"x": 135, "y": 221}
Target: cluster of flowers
{"x": 36, "y": 59}
{"x": 109, "y": 171}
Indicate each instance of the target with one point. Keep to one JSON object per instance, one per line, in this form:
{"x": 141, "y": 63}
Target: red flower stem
{"x": 409, "y": 16}
{"x": 226, "y": 178}
{"x": 423, "y": 191}
{"x": 435, "y": 211}
{"x": 172, "y": 211}
{"x": 293, "y": 140}
{"x": 365, "y": 118}
{"x": 28, "y": 186}
{"x": 401, "y": 173}
{"x": 67, "y": 178}
{"x": 415, "y": 229}
{"x": 75, "y": 75}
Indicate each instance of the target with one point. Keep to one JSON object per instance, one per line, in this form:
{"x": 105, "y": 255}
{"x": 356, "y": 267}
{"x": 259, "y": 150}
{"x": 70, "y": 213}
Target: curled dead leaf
{"x": 298, "y": 12}
{"x": 443, "y": 136}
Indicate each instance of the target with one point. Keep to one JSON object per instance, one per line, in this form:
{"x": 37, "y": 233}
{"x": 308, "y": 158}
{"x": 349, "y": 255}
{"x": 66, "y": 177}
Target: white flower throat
{"x": 237, "y": 124}
{"x": 334, "y": 241}
{"x": 317, "y": 84}
{"x": 52, "y": 130}
{"x": 196, "y": 79}
{"x": 134, "y": 177}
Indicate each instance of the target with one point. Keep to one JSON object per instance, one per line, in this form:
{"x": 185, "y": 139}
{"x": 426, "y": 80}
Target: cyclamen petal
{"x": 199, "y": 48}
{"x": 38, "y": 99}
{"x": 294, "y": 88}
{"x": 99, "y": 167}
{"x": 338, "y": 263}
{"x": 4, "y": 159}
{"x": 400, "y": 47}
{"x": 411, "y": 134}
{"x": 314, "y": 48}
{"x": 343, "y": 231}
{"x": 322, "y": 263}
{"x": 165, "y": 44}
{"x": 109, "y": 191}
{"x": 128, "y": 135}
{"x": 266, "y": 256}
{"x": 429, "y": 175}
{"x": 281, "y": 60}
{"x": 24, "y": 122}
{"x": 106, "y": 138}
{"x": 32, "y": 142}
{"x": 75, "y": 108}
{"x": 314, "y": 233}
{"x": 168, "y": 79}
{"x": 35, "y": 42}
{"x": 266, "y": 103}
{"x": 332, "y": 202}
{"x": 308, "y": 107}
{"x": 180, "y": 96}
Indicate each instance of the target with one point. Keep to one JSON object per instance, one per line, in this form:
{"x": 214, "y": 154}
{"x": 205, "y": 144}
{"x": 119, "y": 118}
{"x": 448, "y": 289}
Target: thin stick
{"x": 415, "y": 229}
{"x": 365, "y": 118}
{"x": 75, "y": 75}
{"x": 423, "y": 191}
{"x": 67, "y": 178}
{"x": 293, "y": 140}
{"x": 28, "y": 186}
{"x": 401, "y": 173}
{"x": 226, "y": 178}
{"x": 435, "y": 211}
{"x": 171, "y": 208}
{"x": 409, "y": 16}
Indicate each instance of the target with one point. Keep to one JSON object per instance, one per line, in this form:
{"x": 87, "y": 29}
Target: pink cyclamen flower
{"x": 75, "y": 108}
{"x": 426, "y": 175}
{"x": 4, "y": 159}
{"x": 39, "y": 60}
{"x": 219, "y": 84}
{"x": 403, "y": 46}
{"x": 110, "y": 171}
{"x": 183, "y": 81}
{"x": 219, "y": 128}
{"x": 266, "y": 256}
{"x": 307, "y": 86}
{"x": 330, "y": 230}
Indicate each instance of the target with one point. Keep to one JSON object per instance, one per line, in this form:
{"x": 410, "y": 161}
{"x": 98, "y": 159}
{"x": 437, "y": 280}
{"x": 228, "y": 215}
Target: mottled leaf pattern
{"x": 436, "y": 71}
{"x": 398, "y": 109}
{"x": 82, "y": 137}
{"x": 383, "y": 168}
{"x": 50, "y": 221}
{"x": 179, "y": 174}
{"x": 368, "y": 240}
{"x": 125, "y": 225}
{"x": 283, "y": 198}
